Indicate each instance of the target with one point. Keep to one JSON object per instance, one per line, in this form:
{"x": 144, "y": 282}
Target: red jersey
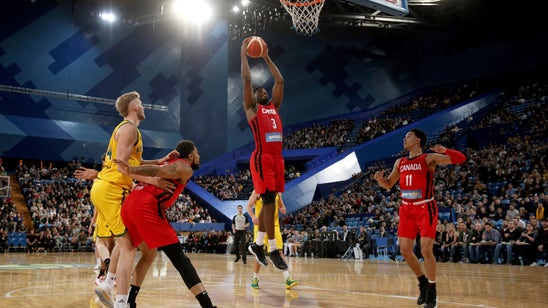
{"x": 267, "y": 129}
{"x": 416, "y": 180}
{"x": 165, "y": 198}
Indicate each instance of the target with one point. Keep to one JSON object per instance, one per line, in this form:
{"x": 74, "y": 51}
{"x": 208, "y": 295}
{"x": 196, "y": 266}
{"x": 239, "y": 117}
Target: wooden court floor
{"x": 66, "y": 280}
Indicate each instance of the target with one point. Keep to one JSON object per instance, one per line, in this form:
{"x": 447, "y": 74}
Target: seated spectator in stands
{"x": 315, "y": 240}
{"x": 42, "y": 242}
{"x": 510, "y": 233}
{"x": 539, "y": 212}
{"x": 525, "y": 250}
{"x": 541, "y": 241}
{"x": 499, "y": 214}
{"x": 3, "y": 240}
{"x": 535, "y": 222}
{"x": 32, "y": 241}
{"x": 512, "y": 210}
{"x": 289, "y": 241}
{"x": 489, "y": 240}
{"x": 519, "y": 222}
{"x": 438, "y": 241}
{"x": 459, "y": 248}
{"x": 473, "y": 245}
{"x": 58, "y": 240}
{"x": 84, "y": 244}
{"x": 364, "y": 240}
{"x": 327, "y": 249}
{"x": 449, "y": 238}
{"x": 382, "y": 232}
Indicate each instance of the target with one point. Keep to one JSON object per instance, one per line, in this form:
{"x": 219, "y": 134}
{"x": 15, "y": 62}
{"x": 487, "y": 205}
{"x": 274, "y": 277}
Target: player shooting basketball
{"x": 266, "y": 163}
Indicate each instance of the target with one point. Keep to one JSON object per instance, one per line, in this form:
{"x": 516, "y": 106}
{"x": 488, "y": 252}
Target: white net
{"x": 305, "y": 14}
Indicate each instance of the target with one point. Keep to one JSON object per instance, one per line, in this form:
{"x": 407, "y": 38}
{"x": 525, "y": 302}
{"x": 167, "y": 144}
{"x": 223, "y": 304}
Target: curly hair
{"x": 122, "y": 102}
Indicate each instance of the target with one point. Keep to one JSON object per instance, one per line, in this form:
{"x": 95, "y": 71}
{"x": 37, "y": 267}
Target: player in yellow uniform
{"x": 256, "y": 202}
{"x": 111, "y": 187}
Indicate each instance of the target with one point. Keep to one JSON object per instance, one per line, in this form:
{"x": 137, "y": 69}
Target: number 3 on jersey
{"x": 273, "y": 123}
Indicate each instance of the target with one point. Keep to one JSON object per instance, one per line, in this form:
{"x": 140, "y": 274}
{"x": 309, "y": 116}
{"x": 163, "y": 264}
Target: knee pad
{"x": 188, "y": 272}
{"x": 183, "y": 265}
{"x": 269, "y": 197}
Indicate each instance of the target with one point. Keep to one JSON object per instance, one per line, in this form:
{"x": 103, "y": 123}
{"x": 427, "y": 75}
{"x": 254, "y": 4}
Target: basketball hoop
{"x": 305, "y": 14}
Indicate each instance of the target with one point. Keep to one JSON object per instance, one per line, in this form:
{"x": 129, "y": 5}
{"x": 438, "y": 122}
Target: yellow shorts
{"x": 108, "y": 199}
{"x": 100, "y": 229}
{"x": 277, "y": 237}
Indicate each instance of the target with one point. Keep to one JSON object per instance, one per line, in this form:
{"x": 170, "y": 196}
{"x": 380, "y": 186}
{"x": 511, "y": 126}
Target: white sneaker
{"x": 99, "y": 280}
{"x": 546, "y": 264}
{"x": 105, "y": 296}
{"x": 534, "y": 264}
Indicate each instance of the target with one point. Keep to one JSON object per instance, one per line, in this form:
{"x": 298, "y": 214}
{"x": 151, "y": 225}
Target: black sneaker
{"x": 431, "y": 298}
{"x": 237, "y": 259}
{"x": 277, "y": 260}
{"x": 422, "y": 296}
{"x": 258, "y": 252}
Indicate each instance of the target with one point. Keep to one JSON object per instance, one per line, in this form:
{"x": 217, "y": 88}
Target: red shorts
{"x": 144, "y": 223}
{"x": 267, "y": 172}
{"x": 422, "y": 218}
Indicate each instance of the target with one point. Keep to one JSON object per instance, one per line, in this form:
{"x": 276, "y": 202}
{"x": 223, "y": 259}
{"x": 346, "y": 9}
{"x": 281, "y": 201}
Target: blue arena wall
{"x": 195, "y": 73}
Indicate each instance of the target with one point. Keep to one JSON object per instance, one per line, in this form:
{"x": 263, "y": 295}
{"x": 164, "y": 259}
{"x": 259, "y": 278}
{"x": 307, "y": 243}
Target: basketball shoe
{"x": 277, "y": 260}
{"x": 99, "y": 280}
{"x": 258, "y": 252}
{"x": 290, "y": 283}
{"x": 431, "y": 298}
{"x": 422, "y": 296}
{"x": 105, "y": 296}
{"x": 255, "y": 283}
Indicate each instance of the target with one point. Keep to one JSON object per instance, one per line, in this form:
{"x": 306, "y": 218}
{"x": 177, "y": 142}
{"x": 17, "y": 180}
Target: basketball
{"x": 256, "y": 46}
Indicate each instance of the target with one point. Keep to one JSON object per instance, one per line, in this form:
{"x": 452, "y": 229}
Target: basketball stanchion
{"x": 305, "y": 15}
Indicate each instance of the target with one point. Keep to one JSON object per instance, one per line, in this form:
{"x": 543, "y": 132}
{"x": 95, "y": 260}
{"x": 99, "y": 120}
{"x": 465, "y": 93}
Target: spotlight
{"x": 196, "y": 11}
{"x": 235, "y": 9}
{"x": 108, "y": 16}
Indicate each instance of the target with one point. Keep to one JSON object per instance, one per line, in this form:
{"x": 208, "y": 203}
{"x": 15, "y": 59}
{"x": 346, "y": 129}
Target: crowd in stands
{"x": 208, "y": 242}
{"x": 61, "y": 211}
{"x": 227, "y": 187}
{"x": 237, "y": 186}
{"x": 320, "y": 136}
{"x": 186, "y": 209}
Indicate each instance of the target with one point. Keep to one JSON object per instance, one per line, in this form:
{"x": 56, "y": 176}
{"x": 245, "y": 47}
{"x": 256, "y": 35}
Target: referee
{"x": 239, "y": 227}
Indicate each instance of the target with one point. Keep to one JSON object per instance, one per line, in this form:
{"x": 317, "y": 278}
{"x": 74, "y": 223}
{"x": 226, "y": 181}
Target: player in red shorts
{"x": 266, "y": 163}
{"x": 419, "y": 211}
{"x": 143, "y": 213}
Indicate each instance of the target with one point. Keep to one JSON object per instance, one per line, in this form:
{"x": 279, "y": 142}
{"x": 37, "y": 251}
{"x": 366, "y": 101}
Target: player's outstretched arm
{"x": 278, "y": 88}
{"x": 445, "y": 156}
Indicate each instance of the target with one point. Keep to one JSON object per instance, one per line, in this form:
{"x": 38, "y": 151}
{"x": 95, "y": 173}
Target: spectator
{"x": 489, "y": 240}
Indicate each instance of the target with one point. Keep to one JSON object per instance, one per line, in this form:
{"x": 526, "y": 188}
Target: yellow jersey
{"x": 109, "y": 172}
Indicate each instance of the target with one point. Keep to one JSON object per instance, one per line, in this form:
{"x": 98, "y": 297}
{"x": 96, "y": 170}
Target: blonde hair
{"x": 122, "y": 102}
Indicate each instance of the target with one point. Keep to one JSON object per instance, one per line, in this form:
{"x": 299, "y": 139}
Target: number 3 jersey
{"x": 416, "y": 180}
{"x": 267, "y": 130}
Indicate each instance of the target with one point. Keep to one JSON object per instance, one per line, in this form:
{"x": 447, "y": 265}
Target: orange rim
{"x": 300, "y": 4}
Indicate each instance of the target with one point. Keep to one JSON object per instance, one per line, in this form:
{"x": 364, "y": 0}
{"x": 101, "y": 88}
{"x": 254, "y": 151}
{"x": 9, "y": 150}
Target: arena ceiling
{"x": 258, "y": 15}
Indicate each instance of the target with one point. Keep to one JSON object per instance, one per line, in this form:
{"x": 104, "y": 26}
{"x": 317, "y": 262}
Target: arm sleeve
{"x": 456, "y": 156}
